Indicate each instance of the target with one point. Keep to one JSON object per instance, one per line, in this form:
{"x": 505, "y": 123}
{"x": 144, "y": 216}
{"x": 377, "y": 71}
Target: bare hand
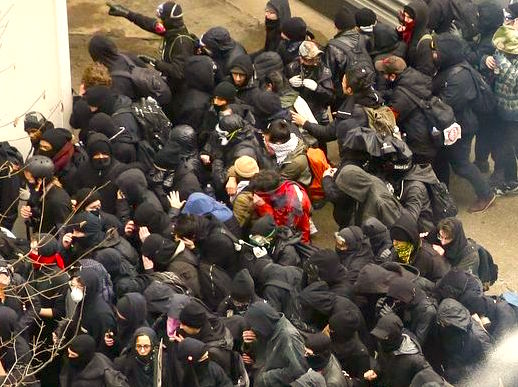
{"x": 205, "y": 159}
{"x": 231, "y": 186}
{"x": 174, "y": 200}
{"x": 129, "y": 228}
{"x": 54, "y": 338}
{"x": 25, "y": 212}
{"x": 67, "y": 240}
{"x": 297, "y": 119}
{"x": 177, "y": 337}
{"x": 143, "y": 233}
{"x": 329, "y": 172}
{"x": 247, "y": 359}
{"x": 438, "y": 249}
{"x": 108, "y": 339}
{"x": 147, "y": 263}
{"x": 82, "y": 89}
{"x": 258, "y": 201}
{"x": 249, "y": 336}
{"x": 491, "y": 62}
{"x": 370, "y": 375}
{"x": 120, "y": 194}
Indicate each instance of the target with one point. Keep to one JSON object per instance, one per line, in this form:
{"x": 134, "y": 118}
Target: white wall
{"x": 34, "y": 66}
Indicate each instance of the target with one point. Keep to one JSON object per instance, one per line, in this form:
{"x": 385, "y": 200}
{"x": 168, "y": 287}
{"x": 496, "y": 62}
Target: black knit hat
{"x": 169, "y": 10}
{"x": 365, "y": 17}
{"x": 96, "y": 96}
{"x": 190, "y": 350}
{"x": 193, "y": 315}
{"x": 267, "y": 103}
{"x": 225, "y": 90}
{"x": 344, "y": 20}
{"x": 57, "y": 137}
{"x": 86, "y": 196}
{"x": 295, "y": 29}
{"x": 98, "y": 143}
{"x": 242, "y": 289}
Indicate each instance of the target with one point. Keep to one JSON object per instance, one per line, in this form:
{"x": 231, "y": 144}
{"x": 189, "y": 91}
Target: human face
{"x": 219, "y": 101}
{"x": 407, "y": 18}
{"x": 99, "y": 156}
{"x": 28, "y": 176}
{"x": 143, "y": 345}
{"x": 74, "y": 283}
{"x": 45, "y": 146}
{"x": 96, "y": 205}
{"x": 309, "y": 62}
{"x": 270, "y": 14}
{"x": 34, "y": 134}
{"x": 346, "y": 89}
{"x": 190, "y": 330}
{"x": 239, "y": 79}
{"x": 444, "y": 237}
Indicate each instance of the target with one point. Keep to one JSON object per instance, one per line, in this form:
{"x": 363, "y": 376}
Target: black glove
{"x": 117, "y": 10}
{"x": 147, "y": 59}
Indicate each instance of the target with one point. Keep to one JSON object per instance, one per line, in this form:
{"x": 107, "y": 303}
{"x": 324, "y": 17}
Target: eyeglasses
{"x": 142, "y": 346}
{"x": 443, "y": 237}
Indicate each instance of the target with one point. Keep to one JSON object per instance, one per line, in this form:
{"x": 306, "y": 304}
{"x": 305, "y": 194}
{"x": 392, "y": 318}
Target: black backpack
{"x": 152, "y": 121}
{"x": 442, "y": 203}
{"x": 148, "y": 81}
{"x": 487, "y": 269}
{"x": 215, "y": 284}
{"x": 485, "y": 101}
{"x": 465, "y": 17}
{"x": 438, "y": 113}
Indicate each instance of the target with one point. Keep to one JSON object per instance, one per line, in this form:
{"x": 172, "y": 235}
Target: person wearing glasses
{"x": 141, "y": 360}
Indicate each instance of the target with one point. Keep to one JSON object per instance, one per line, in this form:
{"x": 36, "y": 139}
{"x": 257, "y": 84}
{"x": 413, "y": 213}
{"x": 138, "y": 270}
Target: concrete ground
{"x": 494, "y": 229}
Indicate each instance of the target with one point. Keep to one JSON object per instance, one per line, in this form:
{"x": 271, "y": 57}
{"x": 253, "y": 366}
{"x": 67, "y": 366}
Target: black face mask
{"x": 48, "y": 153}
{"x": 220, "y": 108}
{"x": 318, "y": 362}
{"x": 78, "y": 362}
{"x": 96, "y": 212}
{"x": 101, "y": 164}
{"x": 271, "y": 24}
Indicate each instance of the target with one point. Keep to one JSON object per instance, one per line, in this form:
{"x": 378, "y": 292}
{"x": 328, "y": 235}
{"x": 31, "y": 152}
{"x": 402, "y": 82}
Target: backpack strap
{"x": 414, "y": 98}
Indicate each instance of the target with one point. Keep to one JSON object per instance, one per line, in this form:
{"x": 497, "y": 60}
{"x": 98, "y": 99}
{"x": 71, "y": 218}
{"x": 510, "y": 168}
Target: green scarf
{"x": 404, "y": 251}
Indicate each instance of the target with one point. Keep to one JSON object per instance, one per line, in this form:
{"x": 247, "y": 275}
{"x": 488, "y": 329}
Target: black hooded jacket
{"x": 273, "y": 28}
{"x": 93, "y": 177}
{"x": 419, "y": 54}
{"x": 103, "y": 50}
{"x": 132, "y": 307}
{"x": 331, "y": 271}
{"x": 454, "y": 84}
{"x": 223, "y": 49}
{"x": 247, "y": 92}
{"x": 358, "y": 253}
{"x": 431, "y": 265}
{"x": 465, "y": 344}
{"x": 410, "y": 118}
{"x": 461, "y": 252}
{"x": 379, "y": 237}
{"x": 440, "y": 15}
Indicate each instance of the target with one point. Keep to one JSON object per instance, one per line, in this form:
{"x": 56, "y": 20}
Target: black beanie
{"x": 365, "y": 17}
{"x": 47, "y": 245}
{"x": 295, "y": 29}
{"x": 242, "y": 289}
{"x": 96, "y": 96}
{"x": 225, "y": 90}
{"x": 152, "y": 245}
{"x": 344, "y": 20}
{"x": 57, "y": 137}
{"x": 103, "y": 123}
{"x": 86, "y": 196}
{"x": 193, "y": 315}
{"x": 408, "y": 9}
{"x": 267, "y": 103}
{"x": 190, "y": 350}
{"x": 170, "y": 10}
{"x": 263, "y": 226}
{"x": 84, "y": 346}
{"x": 400, "y": 234}
{"x": 98, "y": 143}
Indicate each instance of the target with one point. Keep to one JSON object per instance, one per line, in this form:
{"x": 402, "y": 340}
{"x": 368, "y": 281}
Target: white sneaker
{"x": 312, "y": 228}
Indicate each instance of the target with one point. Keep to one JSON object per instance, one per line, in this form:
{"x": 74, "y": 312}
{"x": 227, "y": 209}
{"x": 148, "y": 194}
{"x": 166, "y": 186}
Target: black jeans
{"x": 457, "y": 155}
{"x": 505, "y": 152}
{"x": 489, "y": 129}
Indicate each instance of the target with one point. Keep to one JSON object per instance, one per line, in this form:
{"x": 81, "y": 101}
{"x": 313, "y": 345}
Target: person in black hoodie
{"x": 401, "y": 79}
{"x": 413, "y": 250}
{"x": 324, "y": 265}
{"x": 414, "y": 27}
{"x": 122, "y": 141}
{"x": 102, "y": 49}
{"x": 501, "y": 315}
{"x": 275, "y": 14}
{"x": 293, "y": 33}
{"x": 441, "y": 15}
{"x": 242, "y": 73}
{"x": 100, "y": 171}
{"x": 456, "y": 86}
{"x": 385, "y": 42}
{"x": 354, "y": 250}
{"x": 198, "y": 367}
{"x": 118, "y": 106}
{"x": 169, "y": 256}
{"x": 15, "y": 351}
{"x": 400, "y": 356}
{"x": 139, "y": 361}
{"x": 346, "y": 344}
{"x": 267, "y": 108}
{"x": 219, "y": 45}
{"x": 242, "y": 294}
{"x": 194, "y": 101}
{"x": 381, "y": 242}
{"x": 131, "y": 312}
{"x": 156, "y": 221}
{"x": 85, "y": 367}
{"x": 86, "y": 199}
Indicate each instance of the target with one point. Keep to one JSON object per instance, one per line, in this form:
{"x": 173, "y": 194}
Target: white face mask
{"x": 76, "y": 295}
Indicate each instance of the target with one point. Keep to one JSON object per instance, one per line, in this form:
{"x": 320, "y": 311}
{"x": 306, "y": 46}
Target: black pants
{"x": 489, "y": 128}
{"x": 505, "y": 152}
{"x": 457, "y": 155}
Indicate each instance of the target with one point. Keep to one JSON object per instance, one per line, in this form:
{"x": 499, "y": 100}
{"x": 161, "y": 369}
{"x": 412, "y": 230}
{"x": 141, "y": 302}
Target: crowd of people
{"x": 169, "y": 237}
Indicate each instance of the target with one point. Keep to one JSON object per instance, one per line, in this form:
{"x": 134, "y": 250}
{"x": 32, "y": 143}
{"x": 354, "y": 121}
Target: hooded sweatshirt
{"x": 358, "y": 253}
{"x": 380, "y": 240}
{"x": 132, "y": 307}
{"x": 133, "y": 184}
{"x": 461, "y": 252}
{"x": 273, "y": 27}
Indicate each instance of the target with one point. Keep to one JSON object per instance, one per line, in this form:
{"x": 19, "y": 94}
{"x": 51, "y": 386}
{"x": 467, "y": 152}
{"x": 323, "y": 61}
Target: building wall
{"x": 34, "y": 66}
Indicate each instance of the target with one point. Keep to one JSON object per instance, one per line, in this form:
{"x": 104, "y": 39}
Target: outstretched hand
{"x": 174, "y": 200}
{"x": 117, "y": 10}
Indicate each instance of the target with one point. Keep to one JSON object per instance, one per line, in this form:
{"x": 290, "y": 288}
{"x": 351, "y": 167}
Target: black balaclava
{"x": 343, "y": 326}
{"x": 102, "y": 98}
{"x": 133, "y": 184}
{"x": 388, "y": 332}
{"x": 102, "y": 49}
{"x": 159, "y": 249}
{"x": 84, "y": 346}
{"x": 90, "y": 225}
{"x": 57, "y": 138}
{"x": 99, "y": 143}
{"x": 103, "y": 123}
{"x": 453, "y": 250}
{"x": 262, "y": 319}
{"x": 133, "y": 307}
{"x": 171, "y": 14}
{"x": 320, "y": 344}
{"x": 90, "y": 279}
{"x": 155, "y": 220}
{"x": 86, "y": 196}
{"x": 242, "y": 288}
